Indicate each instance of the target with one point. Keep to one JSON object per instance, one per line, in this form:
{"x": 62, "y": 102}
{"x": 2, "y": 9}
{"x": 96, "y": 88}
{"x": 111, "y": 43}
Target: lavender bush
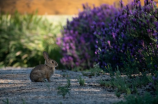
{"x": 130, "y": 40}
{"x": 78, "y": 41}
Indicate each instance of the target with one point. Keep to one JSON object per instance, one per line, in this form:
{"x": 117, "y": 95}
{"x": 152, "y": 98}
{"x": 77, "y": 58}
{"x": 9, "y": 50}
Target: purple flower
{"x": 113, "y": 35}
{"x": 95, "y": 33}
{"x": 109, "y": 42}
{"x": 156, "y": 23}
{"x": 96, "y": 46}
{"x": 142, "y": 43}
{"x": 77, "y": 63}
{"x": 122, "y": 35}
{"x": 153, "y": 78}
{"x": 94, "y": 23}
{"x": 150, "y": 84}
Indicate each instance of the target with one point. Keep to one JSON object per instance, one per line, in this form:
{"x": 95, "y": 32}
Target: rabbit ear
{"x": 46, "y": 57}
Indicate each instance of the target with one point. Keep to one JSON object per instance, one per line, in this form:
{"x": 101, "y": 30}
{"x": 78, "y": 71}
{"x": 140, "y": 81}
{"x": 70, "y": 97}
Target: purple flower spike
{"x": 121, "y": 3}
{"x": 113, "y": 35}
{"x": 109, "y": 42}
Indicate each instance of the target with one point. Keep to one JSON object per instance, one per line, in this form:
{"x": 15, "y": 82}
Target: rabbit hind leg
{"x": 38, "y": 77}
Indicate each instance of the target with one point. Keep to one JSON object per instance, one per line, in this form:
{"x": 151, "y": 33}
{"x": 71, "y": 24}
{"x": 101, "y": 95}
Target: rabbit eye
{"x": 52, "y": 61}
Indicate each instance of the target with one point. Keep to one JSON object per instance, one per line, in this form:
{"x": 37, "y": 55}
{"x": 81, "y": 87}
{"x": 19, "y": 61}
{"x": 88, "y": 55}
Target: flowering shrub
{"x": 130, "y": 40}
{"x": 78, "y": 41}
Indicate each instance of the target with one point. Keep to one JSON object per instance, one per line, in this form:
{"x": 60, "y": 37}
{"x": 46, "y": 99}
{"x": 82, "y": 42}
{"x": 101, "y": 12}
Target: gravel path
{"x": 16, "y": 86}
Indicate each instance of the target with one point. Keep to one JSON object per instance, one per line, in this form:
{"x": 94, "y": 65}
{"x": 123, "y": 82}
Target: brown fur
{"x": 44, "y": 71}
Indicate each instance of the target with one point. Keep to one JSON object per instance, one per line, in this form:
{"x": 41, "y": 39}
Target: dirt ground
{"x": 16, "y": 86}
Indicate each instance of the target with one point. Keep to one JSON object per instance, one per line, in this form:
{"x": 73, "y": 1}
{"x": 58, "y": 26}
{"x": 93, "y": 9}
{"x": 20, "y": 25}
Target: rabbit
{"x": 44, "y": 71}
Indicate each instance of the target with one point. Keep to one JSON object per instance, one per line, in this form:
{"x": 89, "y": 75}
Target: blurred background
{"x": 29, "y": 27}
{"x": 51, "y": 7}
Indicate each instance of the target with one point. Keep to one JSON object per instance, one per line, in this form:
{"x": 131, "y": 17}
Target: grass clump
{"x": 68, "y": 82}
{"x": 63, "y": 90}
{"x": 81, "y": 81}
{"x": 127, "y": 85}
{"x": 6, "y": 101}
{"x": 95, "y": 71}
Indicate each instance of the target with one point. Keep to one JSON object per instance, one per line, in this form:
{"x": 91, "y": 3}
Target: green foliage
{"x": 81, "y": 81}
{"x": 96, "y": 70}
{"x": 120, "y": 83}
{"x": 130, "y": 67}
{"x": 109, "y": 69}
{"x": 118, "y": 94}
{"x": 23, "y": 101}
{"x": 23, "y": 39}
{"x": 125, "y": 84}
{"x": 68, "y": 82}
{"x": 76, "y": 69}
{"x": 64, "y": 75}
{"x": 63, "y": 90}
{"x": 105, "y": 83}
{"x": 6, "y": 101}
{"x": 137, "y": 99}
